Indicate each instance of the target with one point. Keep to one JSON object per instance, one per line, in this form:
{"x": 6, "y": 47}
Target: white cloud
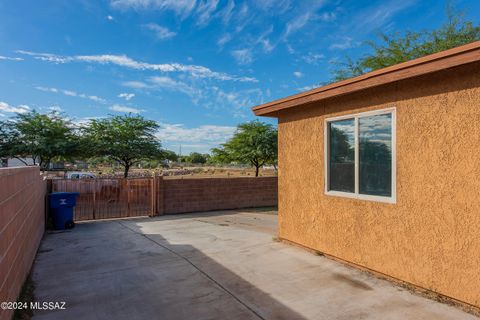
{"x": 202, "y": 138}
{"x": 5, "y": 107}
{"x": 110, "y": 18}
{"x": 226, "y": 13}
{"x": 72, "y": 93}
{"x": 264, "y": 41}
{"x": 46, "y": 56}
{"x": 135, "y": 84}
{"x": 296, "y": 24}
{"x": 182, "y": 8}
{"x": 205, "y": 10}
{"x": 124, "y": 61}
{"x": 243, "y": 56}
{"x": 161, "y": 33}
{"x": 126, "y": 96}
{"x": 290, "y": 49}
{"x": 11, "y": 58}
{"x": 346, "y": 43}
{"x": 202, "y": 10}
{"x": 298, "y": 74}
{"x": 303, "y": 17}
{"x": 308, "y": 88}
{"x": 237, "y": 102}
{"x": 169, "y": 83}
{"x": 125, "y": 109}
{"x": 224, "y": 39}
{"x": 377, "y": 16}
{"x": 46, "y": 89}
{"x": 277, "y": 6}
{"x": 328, "y": 16}
{"x": 313, "y": 58}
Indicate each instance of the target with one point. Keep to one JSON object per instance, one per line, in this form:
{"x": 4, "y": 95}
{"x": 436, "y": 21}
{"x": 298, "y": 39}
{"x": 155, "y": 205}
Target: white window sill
{"x": 366, "y": 197}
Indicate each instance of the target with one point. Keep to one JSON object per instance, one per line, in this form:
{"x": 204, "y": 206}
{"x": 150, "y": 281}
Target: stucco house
{"x": 382, "y": 171}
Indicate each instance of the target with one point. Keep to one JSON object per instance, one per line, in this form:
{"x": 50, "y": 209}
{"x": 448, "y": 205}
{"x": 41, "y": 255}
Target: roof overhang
{"x": 406, "y": 70}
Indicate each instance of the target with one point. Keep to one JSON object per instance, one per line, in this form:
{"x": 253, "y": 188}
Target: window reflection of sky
{"x": 377, "y": 129}
{"x": 348, "y": 127}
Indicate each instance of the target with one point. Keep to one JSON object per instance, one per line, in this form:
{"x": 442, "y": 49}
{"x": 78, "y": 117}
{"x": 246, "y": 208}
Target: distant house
{"x": 14, "y": 162}
{"x": 383, "y": 171}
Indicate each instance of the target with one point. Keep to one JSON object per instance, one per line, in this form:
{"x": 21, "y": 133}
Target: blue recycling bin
{"x": 61, "y": 209}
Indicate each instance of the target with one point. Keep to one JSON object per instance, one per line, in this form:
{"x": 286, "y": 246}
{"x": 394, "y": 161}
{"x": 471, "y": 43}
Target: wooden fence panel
{"x": 109, "y": 198}
{"x": 84, "y": 210}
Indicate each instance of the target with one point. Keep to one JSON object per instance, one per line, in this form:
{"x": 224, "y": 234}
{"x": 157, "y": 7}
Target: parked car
{"x": 79, "y": 175}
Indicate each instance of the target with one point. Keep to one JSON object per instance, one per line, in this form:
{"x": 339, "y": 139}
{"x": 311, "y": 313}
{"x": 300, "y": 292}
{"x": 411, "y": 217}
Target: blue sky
{"x": 194, "y": 66}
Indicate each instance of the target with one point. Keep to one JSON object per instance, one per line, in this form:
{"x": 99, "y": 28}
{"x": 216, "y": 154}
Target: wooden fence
{"x": 121, "y": 198}
{"x": 109, "y": 198}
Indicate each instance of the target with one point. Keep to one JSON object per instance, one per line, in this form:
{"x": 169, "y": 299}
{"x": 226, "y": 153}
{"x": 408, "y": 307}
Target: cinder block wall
{"x": 206, "y": 194}
{"x": 22, "y": 194}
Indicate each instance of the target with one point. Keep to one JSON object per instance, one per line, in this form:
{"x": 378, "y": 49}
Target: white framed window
{"x": 360, "y": 155}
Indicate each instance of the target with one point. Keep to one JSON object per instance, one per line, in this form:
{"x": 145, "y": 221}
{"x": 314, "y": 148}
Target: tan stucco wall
{"x": 431, "y": 236}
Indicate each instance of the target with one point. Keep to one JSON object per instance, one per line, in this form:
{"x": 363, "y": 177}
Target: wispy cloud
{"x": 345, "y": 43}
{"x": 72, "y": 93}
{"x": 204, "y": 11}
{"x": 126, "y": 96}
{"x": 169, "y": 83}
{"x": 161, "y": 33}
{"x": 308, "y": 88}
{"x": 127, "y": 62}
{"x": 264, "y": 41}
{"x": 243, "y": 56}
{"x": 11, "y": 58}
{"x": 305, "y": 14}
{"x": 110, "y": 18}
{"x": 201, "y": 138}
{"x": 5, "y": 107}
{"x": 182, "y": 8}
{"x": 377, "y": 16}
{"x": 135, "y": 84}
{"x": 298, "y": 74}
{"x": 224, "y": 39}
{"x": 296, "y": 24}
{"x": 313, "y": 58}
{"x": 124, "y": 109}
{"x": 164, "y": 82}
{"x": 226, "y": 13}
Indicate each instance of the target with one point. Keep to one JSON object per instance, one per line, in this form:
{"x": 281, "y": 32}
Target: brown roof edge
{"x": 413, "y": 68}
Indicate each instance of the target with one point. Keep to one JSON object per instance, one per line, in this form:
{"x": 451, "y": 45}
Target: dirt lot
{"x": 187, "y": 171}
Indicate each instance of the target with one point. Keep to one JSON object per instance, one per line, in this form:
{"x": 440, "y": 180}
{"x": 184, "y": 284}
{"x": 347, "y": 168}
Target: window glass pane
{"x": 342, "y": 155}
{"x": 376, "y": 155}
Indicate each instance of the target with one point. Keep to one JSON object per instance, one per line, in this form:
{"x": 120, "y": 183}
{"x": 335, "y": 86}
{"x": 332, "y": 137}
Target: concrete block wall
{"x": 208, "y": 194}
{"x": 22, "y": 202}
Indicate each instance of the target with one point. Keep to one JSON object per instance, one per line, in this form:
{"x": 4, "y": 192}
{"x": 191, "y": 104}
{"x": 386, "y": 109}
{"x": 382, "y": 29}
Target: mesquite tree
{"x": 253, "y": 143}
{"x": 41, "y": 137}
{"x": 125, "y": 139}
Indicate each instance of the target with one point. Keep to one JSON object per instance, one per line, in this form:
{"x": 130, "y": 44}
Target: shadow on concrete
{"x": 255, "y": 303}
{"x": 112, "y": 270}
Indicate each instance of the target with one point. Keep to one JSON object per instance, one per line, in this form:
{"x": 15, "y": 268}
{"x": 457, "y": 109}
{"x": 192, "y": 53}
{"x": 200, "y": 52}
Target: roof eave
{"x": 406, "y": 70}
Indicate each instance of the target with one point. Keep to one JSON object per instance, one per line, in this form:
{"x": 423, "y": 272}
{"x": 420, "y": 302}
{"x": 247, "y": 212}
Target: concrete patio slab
{"x": 218, "y": 265}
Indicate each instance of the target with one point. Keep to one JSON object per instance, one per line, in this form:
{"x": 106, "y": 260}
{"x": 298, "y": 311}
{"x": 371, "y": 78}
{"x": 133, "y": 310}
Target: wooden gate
{"x": 109, "y": 198}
